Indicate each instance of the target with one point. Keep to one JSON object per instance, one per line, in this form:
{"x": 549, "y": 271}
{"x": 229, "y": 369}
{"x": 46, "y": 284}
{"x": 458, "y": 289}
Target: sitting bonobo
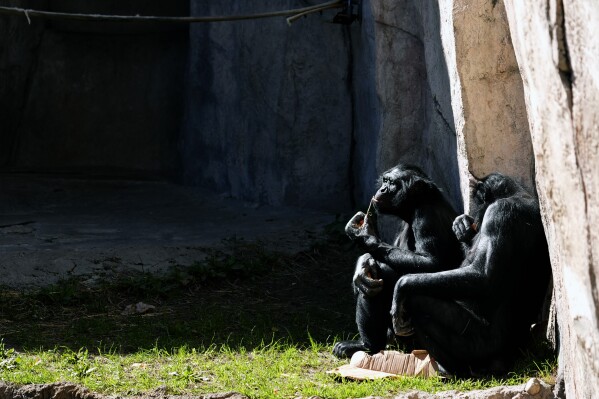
{"x": 474, "y": 319}
{"x": 426, "y": 244}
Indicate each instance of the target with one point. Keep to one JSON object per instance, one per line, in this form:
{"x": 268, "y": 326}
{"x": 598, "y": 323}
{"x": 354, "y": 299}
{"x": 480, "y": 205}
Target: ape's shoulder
{"x": 511, "y": 212}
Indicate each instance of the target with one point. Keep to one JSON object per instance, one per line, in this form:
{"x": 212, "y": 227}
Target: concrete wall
{"x": 306, "y": 115}
{"x": 290, "y": 120}
{"x": 269, "y": 114}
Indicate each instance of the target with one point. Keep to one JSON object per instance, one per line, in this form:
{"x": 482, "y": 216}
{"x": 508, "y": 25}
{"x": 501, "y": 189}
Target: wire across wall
{"x": 291, "y": 14}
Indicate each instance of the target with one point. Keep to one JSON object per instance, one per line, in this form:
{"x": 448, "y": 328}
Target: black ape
{"x": 426, "y": 244}
{"x": 475, "y": 318}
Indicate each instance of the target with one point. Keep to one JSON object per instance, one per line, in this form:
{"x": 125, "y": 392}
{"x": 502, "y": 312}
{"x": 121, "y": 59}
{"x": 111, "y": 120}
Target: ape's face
{"x": 393, "y": 190}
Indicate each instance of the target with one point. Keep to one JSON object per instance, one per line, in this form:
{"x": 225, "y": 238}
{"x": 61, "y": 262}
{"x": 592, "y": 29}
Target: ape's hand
{"x": 360, "y": 227}
{"x": 464, "y": 228}
{"x": 366, "y": 279}
{"x": 402, "y": 324}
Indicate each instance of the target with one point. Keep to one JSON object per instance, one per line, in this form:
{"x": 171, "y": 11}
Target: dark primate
{"x": 475, "y": 318}
{"x": 426, "y": 244}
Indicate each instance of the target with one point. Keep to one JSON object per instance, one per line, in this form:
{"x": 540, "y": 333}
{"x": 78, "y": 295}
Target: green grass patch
{"x": 247, "y": 319}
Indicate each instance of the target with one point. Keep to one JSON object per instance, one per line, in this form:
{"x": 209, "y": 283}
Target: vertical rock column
{"x": 558, "y": 53}
{"x": 493, "y": 135}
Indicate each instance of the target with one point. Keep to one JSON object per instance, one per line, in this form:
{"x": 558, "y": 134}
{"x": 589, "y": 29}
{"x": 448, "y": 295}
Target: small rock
{"x": 533, "y": 386}
{"x": 519, "y": 396}
{"x": 138, "y": 308}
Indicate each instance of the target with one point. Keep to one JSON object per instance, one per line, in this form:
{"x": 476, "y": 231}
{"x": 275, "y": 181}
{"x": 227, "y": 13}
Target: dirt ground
{"x": 54, "y": 227}
{"x": 70, "y": 391}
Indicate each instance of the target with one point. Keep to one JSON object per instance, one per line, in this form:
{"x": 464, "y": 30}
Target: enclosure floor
{"x": 55, "y": 227}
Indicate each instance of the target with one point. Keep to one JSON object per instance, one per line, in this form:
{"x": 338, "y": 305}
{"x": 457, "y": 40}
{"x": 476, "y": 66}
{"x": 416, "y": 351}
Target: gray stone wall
{"x": 310, "y": 114}
{"x": 269, "y": 107}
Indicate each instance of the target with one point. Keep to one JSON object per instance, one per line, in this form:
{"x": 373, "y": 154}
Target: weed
{"x": 78, "y": 362}
{"x": 9, "y": 360}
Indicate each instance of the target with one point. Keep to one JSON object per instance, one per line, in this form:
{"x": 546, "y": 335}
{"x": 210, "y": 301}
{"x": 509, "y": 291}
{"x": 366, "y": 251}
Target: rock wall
{"x": 412, "y": 83}
{"x": 488, "y": 96}
{"x": 558, "y": 53}
{"x": 289, "y": 120}
{"x": 269, "y": 115}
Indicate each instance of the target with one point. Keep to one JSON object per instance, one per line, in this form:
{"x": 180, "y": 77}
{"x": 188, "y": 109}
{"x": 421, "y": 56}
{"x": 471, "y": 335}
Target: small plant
{"x": 79, "y": 362}
{"x": 9, "y": 360}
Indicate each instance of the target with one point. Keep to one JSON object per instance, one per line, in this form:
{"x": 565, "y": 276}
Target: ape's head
{"x": 493, "y": 187}
{"x": 401, "y": 189}
{"x": 489, "y": 189}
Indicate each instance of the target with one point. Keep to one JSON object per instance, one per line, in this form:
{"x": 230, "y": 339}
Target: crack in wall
{"x": 407, "y": 32}
{"x": 30, "y": 78}
{"x": 564, "y": 65}
{"x": 352, "y": 134}
{"x": 440, "y": 113}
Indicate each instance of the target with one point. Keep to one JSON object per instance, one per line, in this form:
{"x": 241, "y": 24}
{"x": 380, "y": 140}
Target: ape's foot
{"x": 345, "y": 349}
{"x": 402, "y": 325}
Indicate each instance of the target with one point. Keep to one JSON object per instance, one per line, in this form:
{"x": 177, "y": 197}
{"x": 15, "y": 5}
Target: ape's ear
{"x": 419, "y": 185}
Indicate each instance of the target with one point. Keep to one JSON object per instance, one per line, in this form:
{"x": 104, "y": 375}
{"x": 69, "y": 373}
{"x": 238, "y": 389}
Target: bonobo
{"x": 475, "y": 318}
{"x": 426, "y": 244}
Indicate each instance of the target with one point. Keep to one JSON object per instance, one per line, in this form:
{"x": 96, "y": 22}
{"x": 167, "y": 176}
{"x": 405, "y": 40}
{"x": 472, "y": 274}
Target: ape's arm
{"x": 478, "y": 273}
{"x": 404, "y": 261}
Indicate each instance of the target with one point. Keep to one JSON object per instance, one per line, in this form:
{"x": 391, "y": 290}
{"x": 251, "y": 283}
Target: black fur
{"x": 425, "y": 244}
{"x": 475, "y": 318}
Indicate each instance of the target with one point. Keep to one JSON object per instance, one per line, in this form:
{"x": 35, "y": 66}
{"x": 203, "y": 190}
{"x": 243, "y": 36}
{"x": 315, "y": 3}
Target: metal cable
{"x": 293, "y": 14}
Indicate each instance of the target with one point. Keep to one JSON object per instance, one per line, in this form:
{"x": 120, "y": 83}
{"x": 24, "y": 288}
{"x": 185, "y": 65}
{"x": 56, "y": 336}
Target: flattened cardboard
{"x": 388, "y": 364}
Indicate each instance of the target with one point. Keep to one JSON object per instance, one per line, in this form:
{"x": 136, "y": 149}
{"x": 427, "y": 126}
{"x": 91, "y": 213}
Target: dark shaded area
{"x": 477, "y": 318}
{"x": 241, "y": 298}
{"x": 88, "y": 97}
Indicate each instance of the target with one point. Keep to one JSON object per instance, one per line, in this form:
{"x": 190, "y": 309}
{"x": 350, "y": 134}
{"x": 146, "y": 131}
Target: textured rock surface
{"x": 72, "y": 391}
{"x": 558, "y": 53}
{"x": 292, "y": 121}
{"x": 494, "y": 136}
{"x": 269, "y": 110}
{"x": 401, "y": 89}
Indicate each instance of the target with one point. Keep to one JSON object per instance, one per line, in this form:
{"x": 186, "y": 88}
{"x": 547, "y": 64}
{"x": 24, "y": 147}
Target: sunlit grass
{"x": 273, "y": 370}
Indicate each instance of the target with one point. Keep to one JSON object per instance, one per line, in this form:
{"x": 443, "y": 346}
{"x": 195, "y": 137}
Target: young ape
{"x": 475, "y": 318}
{"x": 426, "y": 244}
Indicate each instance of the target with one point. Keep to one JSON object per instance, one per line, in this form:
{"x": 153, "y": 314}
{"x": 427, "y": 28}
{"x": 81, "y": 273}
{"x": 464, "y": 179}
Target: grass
{"x": 248, "y": 320}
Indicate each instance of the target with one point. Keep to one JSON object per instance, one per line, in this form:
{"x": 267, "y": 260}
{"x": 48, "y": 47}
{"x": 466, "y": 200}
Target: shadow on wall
{"x": 402, "y": 96}
{"x": 92, "y": 96}
{"x": 306, "y": 115}
{"x": 275, "y": 116}
{"x": 268, "y": 115}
